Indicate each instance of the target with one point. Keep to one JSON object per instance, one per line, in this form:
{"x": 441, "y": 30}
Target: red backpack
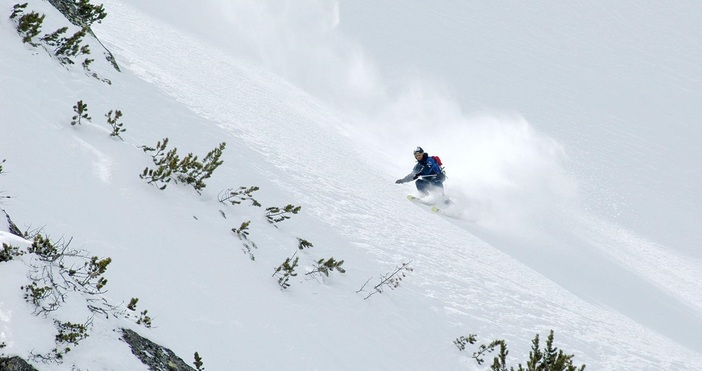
{"x": 438, "y": 162}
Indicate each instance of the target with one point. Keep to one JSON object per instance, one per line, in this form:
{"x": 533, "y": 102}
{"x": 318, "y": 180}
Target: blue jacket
{"x": 426, "y": 168}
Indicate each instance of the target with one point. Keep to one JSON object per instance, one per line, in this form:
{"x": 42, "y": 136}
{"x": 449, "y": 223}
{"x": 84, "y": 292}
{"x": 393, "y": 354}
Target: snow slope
{"x": 311, "y": 119}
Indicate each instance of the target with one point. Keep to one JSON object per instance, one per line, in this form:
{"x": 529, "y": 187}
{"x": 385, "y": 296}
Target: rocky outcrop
{"x": 12, "y": 227}
{"x": 15, "y": 364}
{"x": 70, "y": 11}
{"x": 158, "y": 358}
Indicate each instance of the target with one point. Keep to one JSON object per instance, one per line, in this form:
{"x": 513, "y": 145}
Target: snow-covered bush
{"x": 67, "y": 48}
{"x": 325, "y": 267}
{"x": 285, "y": 271}
{"x": 89, "y": 13}
{"x": 549, "y": 358}
{"x": 28, "y": 25}
{"x": 243, "y": 233}
{"x": 117, "y": 128}
{"x": 236, "y": 197}
{"x": 275, "y": 214}
{"x": 9, "y": 252}
{"x": 169, "y": 166}
{"x": 81, "y": 113}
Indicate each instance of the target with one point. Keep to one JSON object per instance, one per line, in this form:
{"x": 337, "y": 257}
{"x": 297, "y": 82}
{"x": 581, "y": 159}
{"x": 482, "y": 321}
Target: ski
{"x": 418, "y": 199}
{"x": 434, "y": 208}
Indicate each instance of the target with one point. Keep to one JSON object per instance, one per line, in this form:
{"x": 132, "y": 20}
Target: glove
{"x": 399, "y": 181}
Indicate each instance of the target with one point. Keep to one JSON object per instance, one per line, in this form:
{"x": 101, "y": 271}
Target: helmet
{"x": 418, "y": 150}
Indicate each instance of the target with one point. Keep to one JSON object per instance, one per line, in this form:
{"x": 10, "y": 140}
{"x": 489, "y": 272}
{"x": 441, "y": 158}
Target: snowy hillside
{"x": 578, "y": 215}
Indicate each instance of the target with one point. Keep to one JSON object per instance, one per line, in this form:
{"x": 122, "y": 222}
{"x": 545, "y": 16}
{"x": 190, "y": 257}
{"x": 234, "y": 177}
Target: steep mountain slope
{"x": 175, "y": 250}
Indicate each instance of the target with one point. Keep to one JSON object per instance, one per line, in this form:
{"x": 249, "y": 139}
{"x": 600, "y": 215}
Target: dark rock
{"x": 158, "y": 358}
{"x": 15, "y": 364}
{"x": 12, "y": 226}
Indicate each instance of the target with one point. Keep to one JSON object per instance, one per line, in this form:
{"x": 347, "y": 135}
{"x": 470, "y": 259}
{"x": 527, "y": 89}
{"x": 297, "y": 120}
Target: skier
{"x": 427, "y": 172}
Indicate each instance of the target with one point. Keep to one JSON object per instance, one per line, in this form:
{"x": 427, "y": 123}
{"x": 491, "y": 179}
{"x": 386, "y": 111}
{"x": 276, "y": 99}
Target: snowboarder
{"x": 427, "y": 172}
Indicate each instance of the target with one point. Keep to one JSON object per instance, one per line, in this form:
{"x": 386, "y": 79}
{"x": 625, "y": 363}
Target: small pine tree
{"x": 302, "y": 244}
{"x": 132, "y": 304}
{"x": 90, "y": 13}
{"x": 53, "y": 39}
{"x": 81, "y": 110}
{"x": 17, "y": 10}
{"x": 116, "y": 127}
{"x": 550, "y": 359}
{"x": 9, "y": 252}
{"x": 187, "y": 170}
{"x": 236, "y": 197}
{"x": 144, "y": 319}
{"x": 70, "y": 47}
{"x": 276, "y": 214}
{"x": 327, "y": 266}
{"x": 195, "y": 173}
{"x": 198, "y": 362}
{"x": 285, "y": 271}
{"x": 243, "y": 233}
{"x": 29, "y": 26}
{"x": 165, "y": 164}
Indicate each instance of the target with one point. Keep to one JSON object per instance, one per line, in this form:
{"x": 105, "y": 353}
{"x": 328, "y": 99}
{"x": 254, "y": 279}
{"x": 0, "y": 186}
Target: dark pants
{"x": 431, "y": 185}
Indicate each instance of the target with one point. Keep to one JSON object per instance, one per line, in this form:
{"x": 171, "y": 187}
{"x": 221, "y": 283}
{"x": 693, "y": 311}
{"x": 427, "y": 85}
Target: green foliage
{"x": 548, "y": 359}
{"x": 116, "y": 127}
{"x": 35, "y": 294}
{"x": 69, "y": 47}
{"x": 285, "y": 271}
{"x": 132, "y": 304}
{"x": 143, "y": 318}
{"x": 44, "y": 248}
{"x": 243, "y": 233}
{"x": 81, "y": 113}
{"x": 86, "y": 66}
{"x": 166, "y": 163}
{"x": 462, "y": 341}
{"x": 243, "y": 230}
{"x": 61, "y": 270}
{"x": 236, "y": 197}
{"x": 90, "y": 13}
{"x": 327, "y": 266}
{"x": 198, "y": 172}
{"x": 9, "y": 252}
{"x": 94, "y": 269}
{"x": 28, "y": 25}
{"x": 55, "y": 38}
{"x": 70, "y": 333}
{"x": 64, "y": 48}
{"x": 276, "y": 214}
{"x": 169, "y": 166}
{"x": 17, "y": 10}
{"x": 302, "y": 244}
{"x": 198, "y": 362}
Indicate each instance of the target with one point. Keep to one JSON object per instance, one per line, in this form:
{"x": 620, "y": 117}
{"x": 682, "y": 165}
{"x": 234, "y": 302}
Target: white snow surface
{"x": 569, "y": 132}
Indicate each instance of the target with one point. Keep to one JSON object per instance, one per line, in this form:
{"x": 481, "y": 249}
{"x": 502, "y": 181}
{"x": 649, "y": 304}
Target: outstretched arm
{"x": 410, "y": 177}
